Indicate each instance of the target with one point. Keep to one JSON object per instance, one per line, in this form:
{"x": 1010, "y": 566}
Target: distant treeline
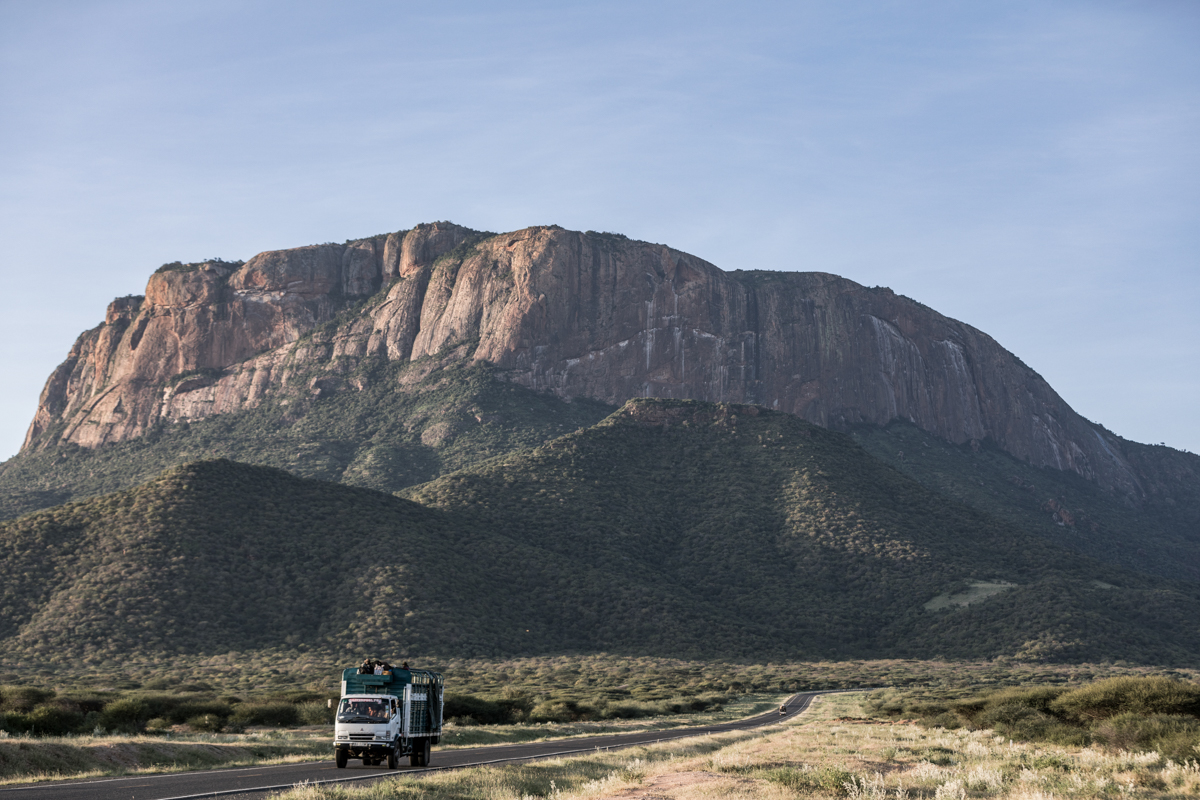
{"x": 43, "y": 712}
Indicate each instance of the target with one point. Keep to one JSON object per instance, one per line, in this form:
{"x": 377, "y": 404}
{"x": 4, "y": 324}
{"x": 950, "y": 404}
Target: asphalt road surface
{"x": 256, "y": 782}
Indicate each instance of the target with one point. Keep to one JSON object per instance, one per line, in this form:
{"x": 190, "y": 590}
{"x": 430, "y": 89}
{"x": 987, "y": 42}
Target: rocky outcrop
{"x": 593, "y": 315}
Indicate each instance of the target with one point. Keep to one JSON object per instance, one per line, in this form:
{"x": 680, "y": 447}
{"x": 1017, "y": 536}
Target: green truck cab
{"x": 382, "y": 717}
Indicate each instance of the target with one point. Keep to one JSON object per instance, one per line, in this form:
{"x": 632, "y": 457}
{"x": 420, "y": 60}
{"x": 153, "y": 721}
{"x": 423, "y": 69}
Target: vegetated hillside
{"x": 806, "y": 541}
{"x": 409, "y": 423}
{"x": 217, "y": 556}
{"x": 1159, "y": 535}
{"x": 415, "y": 421}
{"x": 671, "y": 528}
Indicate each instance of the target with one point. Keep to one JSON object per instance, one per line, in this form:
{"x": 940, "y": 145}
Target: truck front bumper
{"x": 356, "y": 749}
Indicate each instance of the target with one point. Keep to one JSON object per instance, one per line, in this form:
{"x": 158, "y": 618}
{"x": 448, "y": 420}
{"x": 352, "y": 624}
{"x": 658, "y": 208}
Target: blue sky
{"x": 1032, "y": 169}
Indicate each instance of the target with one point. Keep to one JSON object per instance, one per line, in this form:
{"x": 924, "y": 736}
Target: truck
{"x": 386, "y": 714}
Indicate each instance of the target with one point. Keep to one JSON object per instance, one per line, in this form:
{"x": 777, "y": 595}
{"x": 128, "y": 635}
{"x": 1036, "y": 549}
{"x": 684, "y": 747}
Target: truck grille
{"x": 362, "y": 737}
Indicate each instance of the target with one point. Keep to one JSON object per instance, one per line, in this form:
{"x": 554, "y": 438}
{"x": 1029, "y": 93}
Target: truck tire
{"x": 426, "y": 752}
{"x": 393, "y": 761}
{"x": 414, "y": 758}
{"x": 339, "y": 758}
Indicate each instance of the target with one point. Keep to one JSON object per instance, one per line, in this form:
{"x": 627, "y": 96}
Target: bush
{"x": 832, "y": 780}
{"x": 265, "y": 714}
{"x": 1057, "y": 732}
{"x": 54, "y": 720}
{"x": 315, "y": 714}
{"x": 1136, "y": 713}
{"x": 560, "y": 711}
{"x": 1038, "y": 698}
{"x": 128, "y": 714}
{"x": 185, "y": 712}
{"x": 208, "y": 723}
{"x": 688, "y": 705}
{"x": 1013, "y": 715}
{"x": 1109, "y": 698}
{"x": 485, "y": 711}
{"x": 623, "y": 711}
{"x": 87, "y": 703}
{"x": 1130, "y": 731}
{"x": 946, "y": 719}
{"x": 22, "y": 698}
{"x": 14, "y": 722}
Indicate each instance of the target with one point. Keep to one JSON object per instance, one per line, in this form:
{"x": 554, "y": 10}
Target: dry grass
{"x": 829, "y": 753}
{"x": 25, "y": 760}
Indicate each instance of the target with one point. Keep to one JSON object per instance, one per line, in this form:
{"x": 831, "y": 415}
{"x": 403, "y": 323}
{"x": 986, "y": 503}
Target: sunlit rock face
{"x": 579, "y": 315}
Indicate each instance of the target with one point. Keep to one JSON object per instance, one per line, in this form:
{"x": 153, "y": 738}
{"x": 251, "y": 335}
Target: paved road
{"x": 254, "y": 782}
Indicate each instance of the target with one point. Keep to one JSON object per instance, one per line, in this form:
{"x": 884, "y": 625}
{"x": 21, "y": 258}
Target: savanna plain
{"x": 845, "y": 746}
{"x": 940, "y": 731}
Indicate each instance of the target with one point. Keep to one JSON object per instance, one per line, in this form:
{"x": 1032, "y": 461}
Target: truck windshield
{"x": 364, "y": 710}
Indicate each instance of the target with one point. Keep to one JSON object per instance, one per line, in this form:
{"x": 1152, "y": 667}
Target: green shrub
{"x": 22, "y": 698}
{"x": 1049, "y": 761}
{"x": 315, "y": 714}
{"x": 790, "y": 777}
{"x": 941, "y": 756}
{"x": 1109, "y": 698}
{"x": 156, "y": 705}
{"x": 1038, "y": 698}
{"x": 87, "y": 703}
{"x": 560, "y": 711}
{"x": 185, "y": 712}
{"x": 1139, "y": 713}
{"x": 209, "y": 723}
{"x": 1179, "y": 747}
{"x": 14, "y": 722}
{"x": 827, "y": 779}
{"x": 1057, "y": 732}
{"x": 946, "y": 719}
{"x": 686, "y": 705}
{"x": 485, "y": 710}
{"x": 265, "y": 714}
{"x": 54, "y": 720}
{"x": 1131, "y": 731}
{"x": 1012, "y": 716}
{"x": 128, "y": 714}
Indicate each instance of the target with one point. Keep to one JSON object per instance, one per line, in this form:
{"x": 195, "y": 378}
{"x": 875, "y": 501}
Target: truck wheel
{"x": 339, "y": 758}
{"x": 425, "y": 752}
{"x": 393, "y": 761}
{"x": 414, "y": 758}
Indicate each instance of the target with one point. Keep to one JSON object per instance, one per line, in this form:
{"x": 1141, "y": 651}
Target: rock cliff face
{"x": 594, "y": 315}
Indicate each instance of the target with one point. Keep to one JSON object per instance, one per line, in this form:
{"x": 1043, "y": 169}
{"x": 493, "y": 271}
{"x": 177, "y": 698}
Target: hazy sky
{"x": 1032, "y": 169}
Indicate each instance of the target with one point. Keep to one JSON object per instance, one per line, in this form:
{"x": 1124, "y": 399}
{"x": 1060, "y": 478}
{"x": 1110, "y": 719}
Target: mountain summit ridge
{"x": 576, "y": 314}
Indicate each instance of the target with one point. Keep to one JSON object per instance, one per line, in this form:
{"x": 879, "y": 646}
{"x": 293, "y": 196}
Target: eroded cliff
{"x": 576, "y": 314}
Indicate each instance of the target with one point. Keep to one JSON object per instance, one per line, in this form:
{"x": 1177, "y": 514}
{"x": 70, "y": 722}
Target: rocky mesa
{"x": 577, "y": 314}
